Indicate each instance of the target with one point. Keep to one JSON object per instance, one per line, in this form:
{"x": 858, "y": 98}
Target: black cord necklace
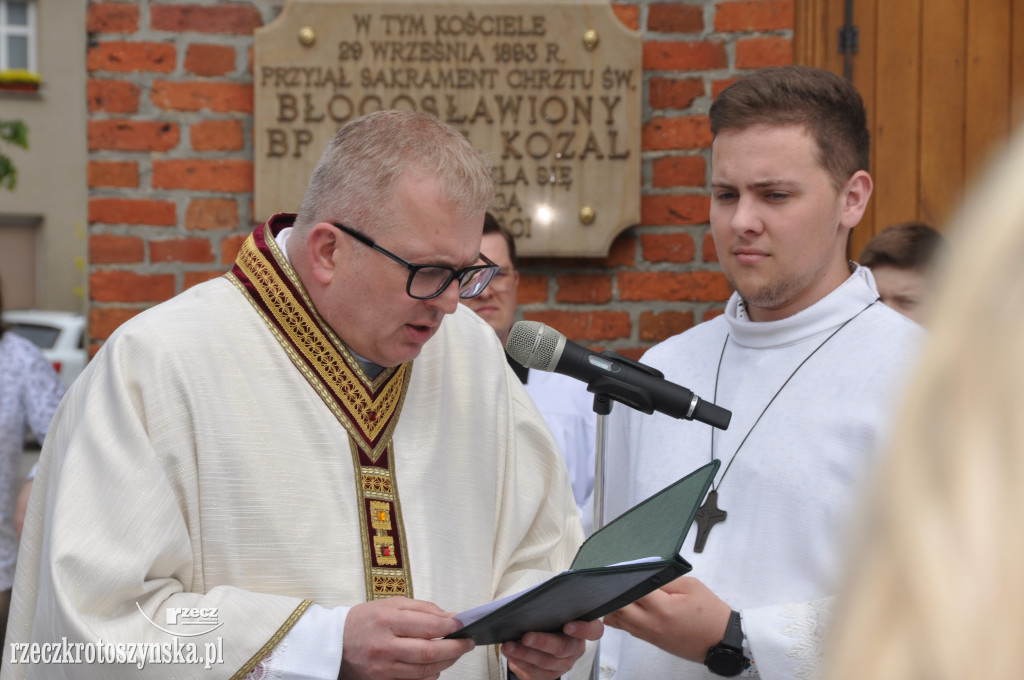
{"x": 709, "y": 514}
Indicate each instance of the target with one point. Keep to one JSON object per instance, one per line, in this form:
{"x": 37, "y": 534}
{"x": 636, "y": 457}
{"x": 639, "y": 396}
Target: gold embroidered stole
{"x": 368, "y": 409}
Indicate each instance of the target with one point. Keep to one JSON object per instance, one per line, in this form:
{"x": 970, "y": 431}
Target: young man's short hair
{"x": 825, "y": 103}
{"x": 907, "y": 245}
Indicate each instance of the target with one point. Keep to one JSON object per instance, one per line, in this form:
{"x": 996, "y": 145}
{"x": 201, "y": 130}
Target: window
{"x": 44, "y": 337}
{"x": 18, "y": 35}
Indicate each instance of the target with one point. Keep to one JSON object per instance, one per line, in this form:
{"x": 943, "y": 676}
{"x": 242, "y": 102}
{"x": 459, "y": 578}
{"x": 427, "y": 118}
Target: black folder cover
{"x": 597, "y": 582}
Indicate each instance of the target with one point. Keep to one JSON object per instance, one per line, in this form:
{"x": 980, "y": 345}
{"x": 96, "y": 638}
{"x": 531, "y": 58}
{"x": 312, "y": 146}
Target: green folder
{"x": 631, "y": 556}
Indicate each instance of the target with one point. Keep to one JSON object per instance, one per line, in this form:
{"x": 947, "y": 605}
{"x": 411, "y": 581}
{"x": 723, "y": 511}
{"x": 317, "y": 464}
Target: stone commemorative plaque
{"x": 551, "y": 91}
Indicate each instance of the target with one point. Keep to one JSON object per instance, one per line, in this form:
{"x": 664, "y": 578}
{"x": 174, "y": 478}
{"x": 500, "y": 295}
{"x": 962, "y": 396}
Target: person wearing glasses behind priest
{"x": 809, "y": 361}
{"x": 321, "y": 455}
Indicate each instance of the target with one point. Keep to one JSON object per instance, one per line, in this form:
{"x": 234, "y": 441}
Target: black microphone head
{"x": 535, "y": 345}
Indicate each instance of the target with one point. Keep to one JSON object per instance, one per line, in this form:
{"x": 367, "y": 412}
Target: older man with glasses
{"x": 316, "y": 458}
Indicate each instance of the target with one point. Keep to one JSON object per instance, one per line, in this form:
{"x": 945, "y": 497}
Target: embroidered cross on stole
{"x": 368, "y": 409}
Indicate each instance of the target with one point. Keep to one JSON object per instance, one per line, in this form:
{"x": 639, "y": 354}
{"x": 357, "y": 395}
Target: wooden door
{"x": 943, "y": 84}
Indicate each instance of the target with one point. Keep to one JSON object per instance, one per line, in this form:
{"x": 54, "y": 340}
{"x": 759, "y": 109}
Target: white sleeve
{"x": 310, "y": 651}
{"x": 786, "y": 640}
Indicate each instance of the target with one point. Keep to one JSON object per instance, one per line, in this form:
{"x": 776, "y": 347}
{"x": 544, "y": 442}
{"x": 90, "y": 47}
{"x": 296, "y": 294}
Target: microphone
{"x": 536, "y": 345}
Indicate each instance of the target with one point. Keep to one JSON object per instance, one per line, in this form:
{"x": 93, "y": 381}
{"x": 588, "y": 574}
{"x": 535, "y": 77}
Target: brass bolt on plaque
{"x": 307, "y": 36}
{"x": 587, "y": 215}
{"x": 590, "y": 39}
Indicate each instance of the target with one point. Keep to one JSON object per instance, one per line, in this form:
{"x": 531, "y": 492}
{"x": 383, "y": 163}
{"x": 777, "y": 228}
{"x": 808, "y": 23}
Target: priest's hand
{"x": 544, "y": 656}
{"x": 684, "y": 618}
{"x": 399, "y": 638}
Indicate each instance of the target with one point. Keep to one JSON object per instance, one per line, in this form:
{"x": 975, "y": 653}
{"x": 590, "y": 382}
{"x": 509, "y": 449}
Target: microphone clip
{"x": 621, "y": 391}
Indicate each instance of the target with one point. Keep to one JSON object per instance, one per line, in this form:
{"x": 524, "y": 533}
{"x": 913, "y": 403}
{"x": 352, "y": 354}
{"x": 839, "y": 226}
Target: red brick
{"x": 233, "y": 19}
{"x": 194, "y": 278}
{"x": 680, "y": 55}
{"x": 585, "y": 288}
{"x": 113, "y": 249}
{"x": 132, "y": 211}
{"x": 112, "y": 96}
{"x": 203, "y": 175}
{"x": 217, "y": 135}
{"x": 683, "y": 132}
{"x": 761, "y": 52}
{"x": 679, "y": 171}
{"x": 673, "y": 93}
{"x": 629, "y": 15}
{"x": 103, "y": 321}
{"x": 122, "y": 286}
{"x": 112, "y": 17}
{"x": 209, "y": 60}
{"x": 221, "y": 97}
{"x": 181, "y": 250}
{"x": 585, "y": 325}
{"x": 672, "y": 247}
{"x": 708, "y": 252}
{"x": 131, "y": 56}
{"x": 130, "y": 135}
{"x": 533, "y": 288}
{"x": 674, "y": 286}
{"x": 675, "y": 209}
{"x": 657, "y": 326}
{"x": 754, "y": 15}
{"x": 675, "y": 18}
{"x": 211, "y": 213}
{"x": 113, "y": 174}
{"x": 229, "y": 247}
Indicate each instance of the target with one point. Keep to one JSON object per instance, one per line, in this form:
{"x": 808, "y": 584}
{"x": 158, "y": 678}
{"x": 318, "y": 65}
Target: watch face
{"x": 725, "y": 662}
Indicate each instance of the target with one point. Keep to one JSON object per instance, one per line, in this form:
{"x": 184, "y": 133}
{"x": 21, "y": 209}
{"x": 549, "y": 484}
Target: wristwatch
{"x": 726, "y": 658}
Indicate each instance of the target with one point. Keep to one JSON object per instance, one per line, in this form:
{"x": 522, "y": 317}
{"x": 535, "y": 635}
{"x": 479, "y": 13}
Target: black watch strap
{"x": 726, "y": 658}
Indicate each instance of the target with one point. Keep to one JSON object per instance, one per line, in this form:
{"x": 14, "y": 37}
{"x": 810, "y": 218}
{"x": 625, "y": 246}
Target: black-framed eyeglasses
{"x": 427, "y": 281}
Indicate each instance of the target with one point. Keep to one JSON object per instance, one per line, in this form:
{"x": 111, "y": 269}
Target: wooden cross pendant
{"x": 708, "y": 515}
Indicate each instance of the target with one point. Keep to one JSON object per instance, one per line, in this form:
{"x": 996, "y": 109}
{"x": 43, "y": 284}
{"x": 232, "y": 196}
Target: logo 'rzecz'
{"x": 204, "y": 620}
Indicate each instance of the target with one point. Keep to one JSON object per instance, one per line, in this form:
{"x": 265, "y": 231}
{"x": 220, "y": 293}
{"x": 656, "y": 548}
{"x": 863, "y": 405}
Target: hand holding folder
{"x": 630, "y": 557}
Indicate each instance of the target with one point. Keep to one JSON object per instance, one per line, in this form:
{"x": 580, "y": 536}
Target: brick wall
{"x": 170, "y": 173}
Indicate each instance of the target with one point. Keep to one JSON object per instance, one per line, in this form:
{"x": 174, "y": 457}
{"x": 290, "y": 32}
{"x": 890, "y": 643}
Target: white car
{"x": 60, "y": 336}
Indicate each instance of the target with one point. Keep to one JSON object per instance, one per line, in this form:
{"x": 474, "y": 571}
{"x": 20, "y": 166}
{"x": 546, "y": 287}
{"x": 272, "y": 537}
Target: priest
{"x": 303, "y": 468}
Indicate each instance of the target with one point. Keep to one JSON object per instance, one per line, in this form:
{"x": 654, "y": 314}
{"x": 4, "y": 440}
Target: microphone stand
{"x": 605, "y": 389}
{"x": 602, "y": 407}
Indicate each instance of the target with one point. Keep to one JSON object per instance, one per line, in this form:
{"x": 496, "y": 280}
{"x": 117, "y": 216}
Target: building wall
{"x": 170, "y": 170}
{"x": 50, "y": 199}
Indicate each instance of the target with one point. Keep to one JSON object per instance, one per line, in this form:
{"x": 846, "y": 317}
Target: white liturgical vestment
{"x": 791, "y": 487}
{"x": 198, "y": 472}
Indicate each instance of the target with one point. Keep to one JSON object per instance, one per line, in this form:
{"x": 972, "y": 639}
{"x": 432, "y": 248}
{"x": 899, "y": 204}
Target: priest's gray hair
{"x": 356, "y": 177}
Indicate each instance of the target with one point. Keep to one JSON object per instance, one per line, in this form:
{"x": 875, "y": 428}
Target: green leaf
{"x": 8, "y": 173}
{"x": 14, "y": 132}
